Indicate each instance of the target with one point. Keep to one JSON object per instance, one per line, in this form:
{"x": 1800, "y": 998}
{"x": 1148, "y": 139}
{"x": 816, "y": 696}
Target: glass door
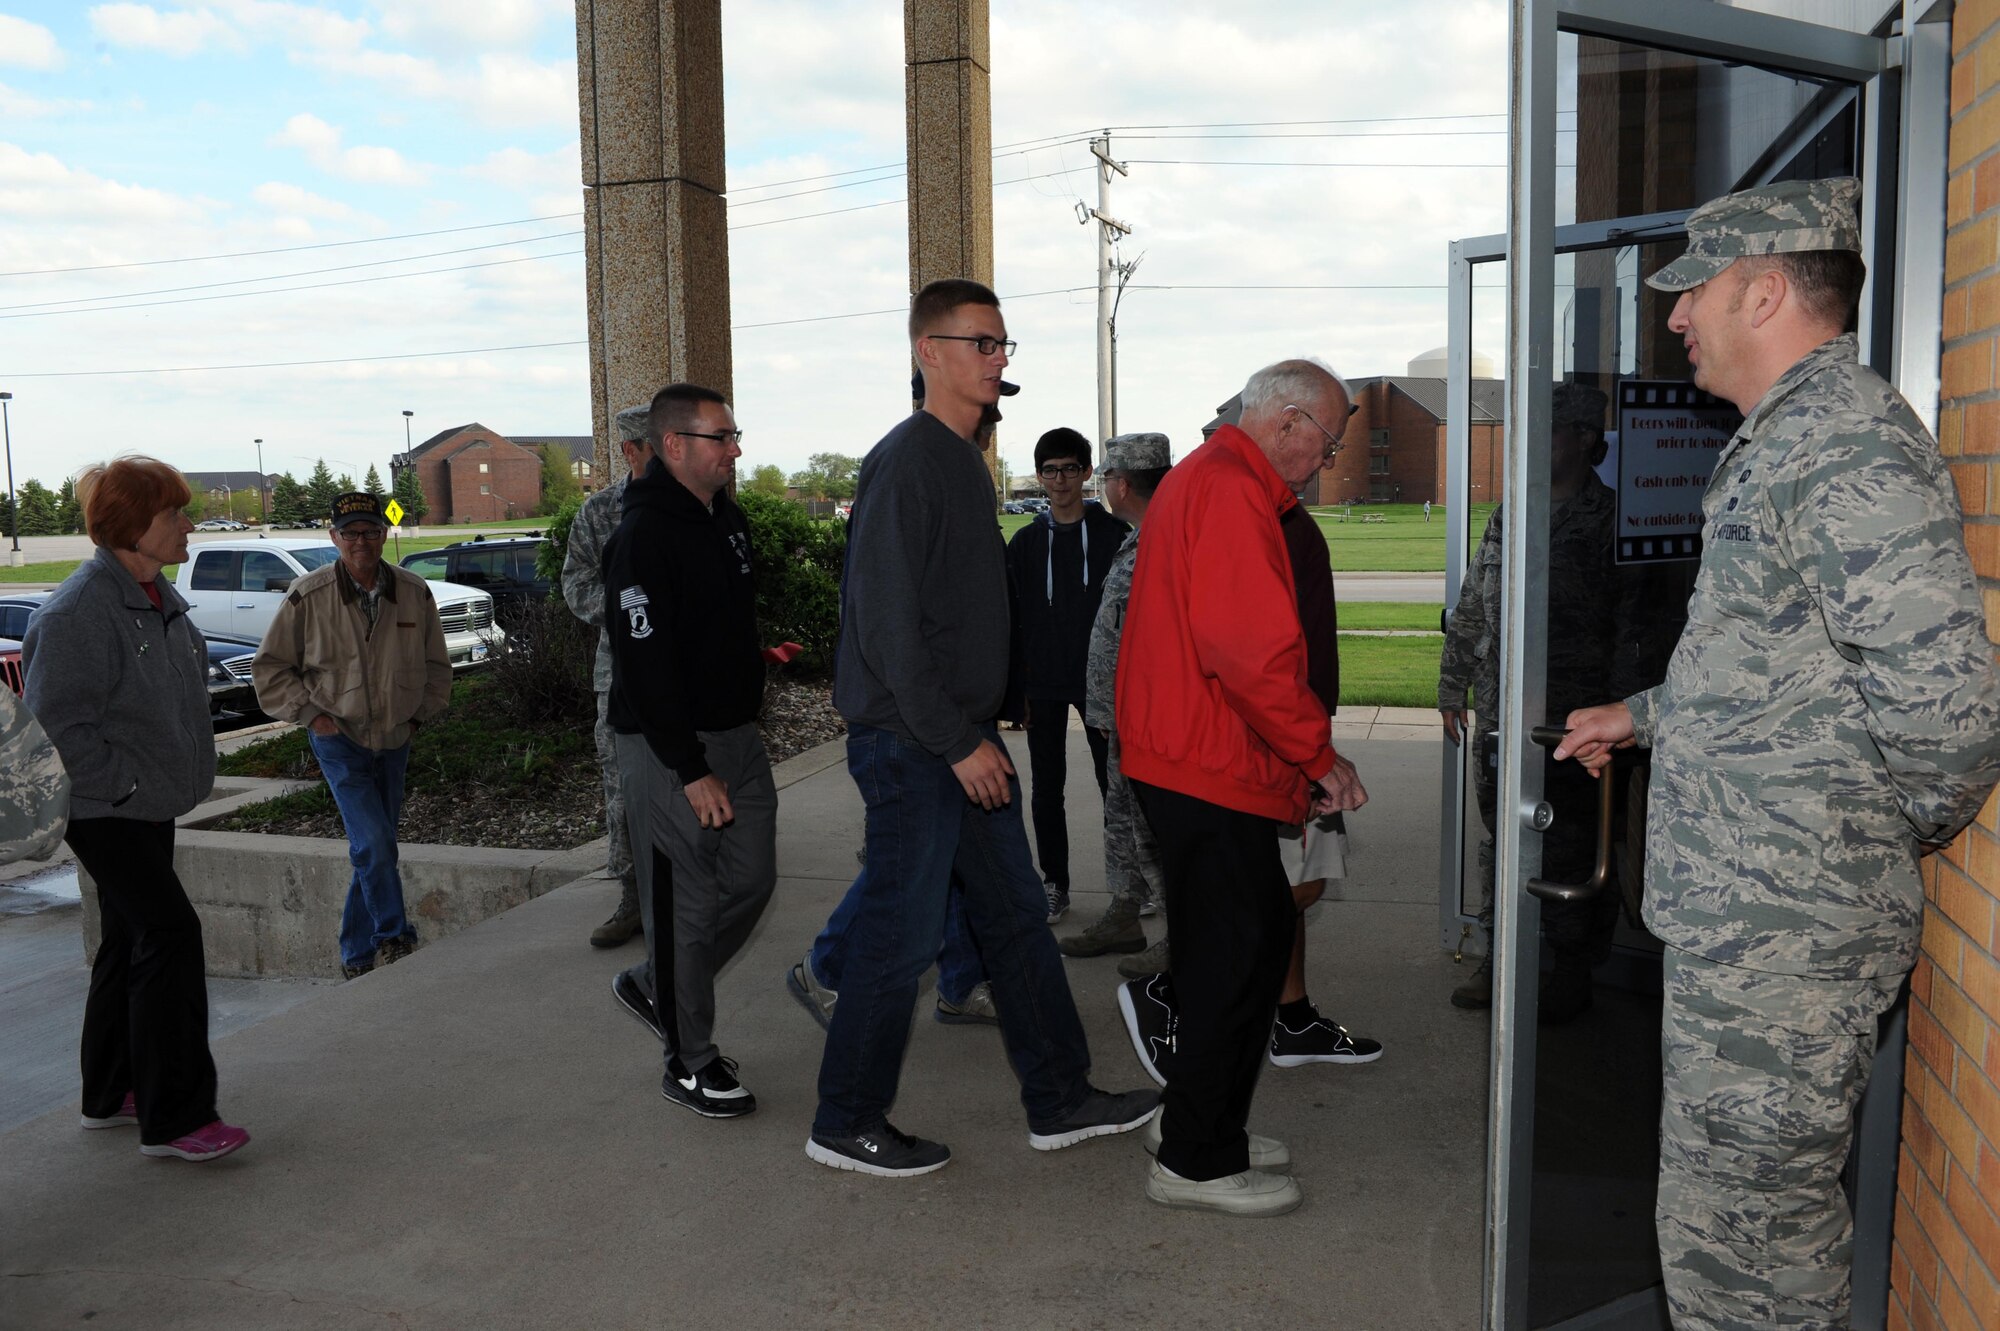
{"x": 1626, "y": 117}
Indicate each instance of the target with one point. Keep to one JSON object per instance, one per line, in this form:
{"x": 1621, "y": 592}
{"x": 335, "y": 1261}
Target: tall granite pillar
{"x": 949, "y": 124}
{"x": 656, "y": 239}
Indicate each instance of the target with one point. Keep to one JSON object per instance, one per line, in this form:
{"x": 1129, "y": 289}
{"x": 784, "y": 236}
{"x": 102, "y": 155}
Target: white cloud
{"x": 320, "y": 142}
{"x": 26, "y": 45}
{"x": 180, "y": 32}
{"x": 15, "y": 104}
{"x": 499, "y": 89}
{"x": 293, "y": 200}
{"x": 471, "y": 25}
{"x": 38, "y": 187}
{"x": 520, "y": 169}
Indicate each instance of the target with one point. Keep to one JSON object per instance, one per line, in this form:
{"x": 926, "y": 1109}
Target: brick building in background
{"x": 1947, "y": 1254}
{"x": 471, "y": 474}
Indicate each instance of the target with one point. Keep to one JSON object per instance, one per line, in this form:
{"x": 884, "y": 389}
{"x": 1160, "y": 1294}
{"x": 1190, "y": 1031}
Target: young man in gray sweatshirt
{"x": 920, "y": 678}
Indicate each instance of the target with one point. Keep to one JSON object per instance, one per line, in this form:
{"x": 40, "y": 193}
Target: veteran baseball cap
{"x": 1136, "y": 452}
{"x": 630, "y": 423}
{"x": 1790, "y": 217}
{"x": 355, "y": 506}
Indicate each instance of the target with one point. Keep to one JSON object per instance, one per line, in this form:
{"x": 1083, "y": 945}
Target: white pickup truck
{"x": 234, "y": 587}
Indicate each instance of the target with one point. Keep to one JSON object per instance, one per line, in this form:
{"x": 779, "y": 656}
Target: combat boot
{"x": 1477, "y": 991}
{"x": 622, "y": 926}
{"x": 1150, "y": 962}
{"x": 1117, "y": 931}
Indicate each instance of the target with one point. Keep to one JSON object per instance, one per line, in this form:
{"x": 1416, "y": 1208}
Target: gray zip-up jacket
{"x": 122, "y": 689}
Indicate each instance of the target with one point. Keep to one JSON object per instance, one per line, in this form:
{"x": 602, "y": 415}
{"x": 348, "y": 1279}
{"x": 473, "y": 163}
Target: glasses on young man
{"x": 985, "y": 346}
{"x": 1066, "y": 470}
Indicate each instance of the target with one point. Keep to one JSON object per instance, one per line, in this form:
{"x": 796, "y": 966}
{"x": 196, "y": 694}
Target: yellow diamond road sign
{"x": 394, "y": 512}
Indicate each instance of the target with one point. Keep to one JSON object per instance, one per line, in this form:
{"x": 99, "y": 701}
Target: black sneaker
{"x": 1152, "y": 1021}
{"x": 1319, "y": 1041}
{"x": 882, "y": 1151}
{"x": 1102, "y": 1114}
{"x": 633, "y": 999}
{"x": 1058, "y": 899}
{"x": 712, "y": 1092}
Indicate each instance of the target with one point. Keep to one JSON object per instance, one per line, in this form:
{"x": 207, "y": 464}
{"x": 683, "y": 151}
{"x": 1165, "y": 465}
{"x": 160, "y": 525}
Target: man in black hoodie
{"x": 687, "y": 681}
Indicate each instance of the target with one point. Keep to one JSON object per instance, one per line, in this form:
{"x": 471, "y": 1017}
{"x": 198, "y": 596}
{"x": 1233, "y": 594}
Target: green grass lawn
{"x": 1388, "y": 672}
{"x": 53, "y": 571}
{"x": 1402, "y": 543}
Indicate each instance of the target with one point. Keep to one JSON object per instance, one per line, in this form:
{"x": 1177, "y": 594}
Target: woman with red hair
{"x": 117, "y": 674}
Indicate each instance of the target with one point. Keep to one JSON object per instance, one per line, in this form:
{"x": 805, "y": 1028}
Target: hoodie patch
{"x": 633, "y": 601}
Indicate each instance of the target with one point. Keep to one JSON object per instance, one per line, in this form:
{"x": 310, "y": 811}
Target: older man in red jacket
{"x": 1224, "y": 741}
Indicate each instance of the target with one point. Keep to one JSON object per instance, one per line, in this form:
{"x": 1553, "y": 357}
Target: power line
{"x": 308, "y": 272}
{"x": 290, "y": 249}
{"x": 1402, "y": 166}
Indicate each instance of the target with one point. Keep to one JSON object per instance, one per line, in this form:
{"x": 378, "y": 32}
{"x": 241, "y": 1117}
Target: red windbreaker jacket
{"x": 1212, "y": 696}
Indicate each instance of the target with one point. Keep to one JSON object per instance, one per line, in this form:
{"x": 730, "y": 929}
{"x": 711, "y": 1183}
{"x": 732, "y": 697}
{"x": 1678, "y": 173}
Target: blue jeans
{"x": 367, "y": 784}
{"x": 921, "y": 829}
{"x": 960, "y": 970}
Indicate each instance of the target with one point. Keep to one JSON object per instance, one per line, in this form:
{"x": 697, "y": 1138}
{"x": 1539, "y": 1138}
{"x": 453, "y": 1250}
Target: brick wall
{"x": 1947, "y": 1232}
{"x": 451, "y": 478}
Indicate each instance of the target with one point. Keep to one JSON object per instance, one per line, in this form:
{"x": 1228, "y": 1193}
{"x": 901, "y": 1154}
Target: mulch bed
{"x": 567, "y": 809}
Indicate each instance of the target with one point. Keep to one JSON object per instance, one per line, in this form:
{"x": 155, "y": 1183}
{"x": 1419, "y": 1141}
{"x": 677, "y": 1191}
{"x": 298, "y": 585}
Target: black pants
{"x": 1048, "y": 764}
{"x": 1230, "y": 914}
{"x": 145, "y": 1023}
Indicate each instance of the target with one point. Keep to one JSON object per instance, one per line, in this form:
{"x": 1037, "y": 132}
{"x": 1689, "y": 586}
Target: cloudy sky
{"x": 254, "y": 218}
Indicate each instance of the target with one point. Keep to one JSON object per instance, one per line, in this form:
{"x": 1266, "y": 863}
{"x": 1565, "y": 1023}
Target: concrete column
{"x": 656, "y": 239}
{"x": 948, "y": 121}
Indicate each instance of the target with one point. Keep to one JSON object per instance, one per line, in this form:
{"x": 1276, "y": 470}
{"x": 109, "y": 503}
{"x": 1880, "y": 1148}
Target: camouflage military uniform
{"x": 1585, "y": 615}
{"x": 583, "y": 590}
{"x": 1831, "y": 707}
{"x": 34, "y": 787}
{"x": 1131, "y": 857}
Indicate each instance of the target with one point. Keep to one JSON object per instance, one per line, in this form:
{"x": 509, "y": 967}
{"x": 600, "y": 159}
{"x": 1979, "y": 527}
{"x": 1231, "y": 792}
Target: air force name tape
{"x": 633, "y": 602}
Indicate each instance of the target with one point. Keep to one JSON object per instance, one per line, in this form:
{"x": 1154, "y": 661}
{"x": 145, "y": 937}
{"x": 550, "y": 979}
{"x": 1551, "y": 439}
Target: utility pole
{"x": 263, "y": 489}
{"x": 1109, "y": 229}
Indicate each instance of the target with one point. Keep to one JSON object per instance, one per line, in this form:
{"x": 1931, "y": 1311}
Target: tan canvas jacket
{"x": 319, "y": 657}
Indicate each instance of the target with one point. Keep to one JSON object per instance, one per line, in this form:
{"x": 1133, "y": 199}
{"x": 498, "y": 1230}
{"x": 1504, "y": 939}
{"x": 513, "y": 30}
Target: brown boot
{"x": 1477, "y": 991}
{"x": 1117, "y": 931}
{"x": 623, "y": 925}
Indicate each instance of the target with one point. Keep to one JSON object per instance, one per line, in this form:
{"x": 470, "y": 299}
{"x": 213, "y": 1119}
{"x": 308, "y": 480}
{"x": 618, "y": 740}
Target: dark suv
{"x": 503, "y": 567}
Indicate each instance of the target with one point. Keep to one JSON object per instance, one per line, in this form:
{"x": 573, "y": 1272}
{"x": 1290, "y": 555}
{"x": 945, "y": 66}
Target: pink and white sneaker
{"x": 212, "y": 1142}
{"x": 126, "y": 1117}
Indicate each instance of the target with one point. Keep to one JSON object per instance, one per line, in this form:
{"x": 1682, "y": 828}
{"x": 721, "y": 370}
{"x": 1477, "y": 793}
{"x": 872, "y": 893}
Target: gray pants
{"x": 618, "y": 838}
{"x": 1131, "y": 856}
{"x": 700, "y": 890}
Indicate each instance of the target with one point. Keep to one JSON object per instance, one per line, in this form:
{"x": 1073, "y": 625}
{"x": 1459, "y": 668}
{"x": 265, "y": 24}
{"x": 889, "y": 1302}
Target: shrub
{"x": 798, "y": 559}
{"x": 550, "y": 555}
{"x": 543, "y": 676}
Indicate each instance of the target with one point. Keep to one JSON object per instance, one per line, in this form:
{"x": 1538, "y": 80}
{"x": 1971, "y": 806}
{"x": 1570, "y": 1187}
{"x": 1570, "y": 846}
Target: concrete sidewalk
{"x": 475, "y": 1138}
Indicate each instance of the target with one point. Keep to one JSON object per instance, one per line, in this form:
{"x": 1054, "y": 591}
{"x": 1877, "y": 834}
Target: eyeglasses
{"x": 361, "y": 533}
{"x": 723, "y": 437}
{"x": 1333, "y": 444}
{"x": 1062, "y": 469}
{"x": 985, "y": 346}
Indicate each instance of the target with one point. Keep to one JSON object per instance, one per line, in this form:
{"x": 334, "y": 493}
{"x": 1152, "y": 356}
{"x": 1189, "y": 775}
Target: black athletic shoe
{"x": 1152, "y": 1021}
{"x": 712, "y": 1092}
{"x": 882, "y": 1151}
{"x": 1319, "y": 1041}
{"x": 633, "y": 999}
{"x": 1101, "y": 1114}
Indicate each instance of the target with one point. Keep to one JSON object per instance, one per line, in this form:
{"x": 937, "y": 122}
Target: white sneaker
{"x": 1266, "y": 1153}
{"x": 1250, "y": 1193}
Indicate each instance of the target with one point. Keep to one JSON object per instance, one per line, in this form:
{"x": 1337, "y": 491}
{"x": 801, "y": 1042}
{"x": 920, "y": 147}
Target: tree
{"x": 828, "y": 476}
{"x": 410, "y": 494}
{"x": 558, "y": 481}
{"x": 321, "y": 490}
{"x": 69, "y": 513}
{"x": 373, "y": 484}
{"x": 767, "y": 480}
{"x": 288, "y": 501}
{"x": 345, "y": 484}
{"x": 38, "y": 510}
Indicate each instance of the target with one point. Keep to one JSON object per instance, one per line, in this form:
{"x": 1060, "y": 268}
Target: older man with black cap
{"x": 583, "y": 592}
{"x": 356, "y": 655}
{"x": 1831, "y": 714}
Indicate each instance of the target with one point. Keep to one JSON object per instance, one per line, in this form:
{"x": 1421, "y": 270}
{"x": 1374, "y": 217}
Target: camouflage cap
{"x": 1577, "y": 407}
{"x": 630, "y": 423}
{"x": 1786, "y": 218}
{"x": 1136, "y": 452}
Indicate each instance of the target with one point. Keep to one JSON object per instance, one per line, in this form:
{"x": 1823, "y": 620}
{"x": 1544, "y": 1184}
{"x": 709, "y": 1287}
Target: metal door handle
{"x": 1600, "y": 875}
